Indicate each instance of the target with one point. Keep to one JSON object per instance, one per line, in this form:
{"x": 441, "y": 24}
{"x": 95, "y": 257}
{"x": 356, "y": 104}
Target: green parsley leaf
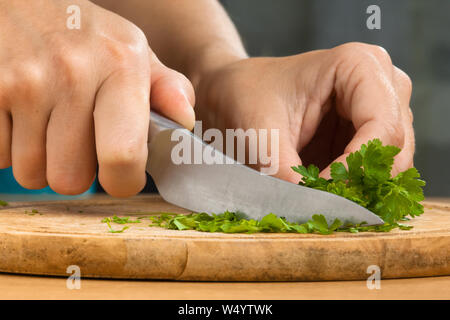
{"x": 311, "y": 177}
{"x": 339, "y": 172}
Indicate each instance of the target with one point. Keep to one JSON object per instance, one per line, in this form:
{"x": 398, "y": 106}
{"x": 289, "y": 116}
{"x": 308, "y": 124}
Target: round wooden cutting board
{"x": 66, "y": 233}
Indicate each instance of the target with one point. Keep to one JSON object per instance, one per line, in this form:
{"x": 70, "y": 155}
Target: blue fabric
{"x": 10, "y": 186}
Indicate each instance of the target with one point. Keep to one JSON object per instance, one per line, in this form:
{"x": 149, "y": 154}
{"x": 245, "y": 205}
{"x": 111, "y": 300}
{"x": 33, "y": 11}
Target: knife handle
{"x": 160, "y": 123}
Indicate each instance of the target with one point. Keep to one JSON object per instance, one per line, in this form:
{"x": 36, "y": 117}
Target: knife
{"x": 215, "y": 188}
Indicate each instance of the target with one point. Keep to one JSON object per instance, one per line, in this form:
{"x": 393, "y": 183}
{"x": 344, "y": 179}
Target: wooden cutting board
{"x": 68, "y": 233}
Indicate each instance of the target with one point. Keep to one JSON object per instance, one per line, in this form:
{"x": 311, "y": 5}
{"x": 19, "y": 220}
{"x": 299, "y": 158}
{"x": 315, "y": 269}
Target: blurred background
{"x": 414, "y": 32}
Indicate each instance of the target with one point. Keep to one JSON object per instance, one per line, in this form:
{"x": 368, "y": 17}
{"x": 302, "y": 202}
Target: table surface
{"x": 14, "y": 286}
{"x": 35, "y": 287}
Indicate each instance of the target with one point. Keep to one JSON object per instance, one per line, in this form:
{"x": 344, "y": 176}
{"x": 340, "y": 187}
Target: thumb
{"x": 171, "y": 94}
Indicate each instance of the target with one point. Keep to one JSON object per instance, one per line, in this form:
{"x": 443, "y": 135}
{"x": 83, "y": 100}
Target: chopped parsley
{"x": 119, "y": 220}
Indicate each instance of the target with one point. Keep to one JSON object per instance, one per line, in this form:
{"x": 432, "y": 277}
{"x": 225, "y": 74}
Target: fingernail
{"x": 190, "y": 117}
{"x": 189, "y": 112}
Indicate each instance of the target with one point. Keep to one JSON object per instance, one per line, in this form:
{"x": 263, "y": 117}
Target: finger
{"x": 375, "y": 114}
{"x": 280, "y": 163}
{"x": 5, "y": 139}
{"x": 369, "y": 131}
{"x": 121, "y": 119}
{"x": 405, "y": 159}
{"x": 278, "y": 151}
{"x": 288, "y": 158}
{"x": 71, "y": 158}
{"x": 28, "y": 147}
{"x": 367, "y": 97}
{"x": 172, "y": 94}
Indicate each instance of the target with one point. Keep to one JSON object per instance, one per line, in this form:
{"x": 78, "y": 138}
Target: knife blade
{"x": 215, "y": 188}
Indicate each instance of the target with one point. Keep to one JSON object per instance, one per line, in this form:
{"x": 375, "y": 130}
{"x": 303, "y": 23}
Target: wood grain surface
{"x": 38, "y": 287}
{"x": 71, "y": 233}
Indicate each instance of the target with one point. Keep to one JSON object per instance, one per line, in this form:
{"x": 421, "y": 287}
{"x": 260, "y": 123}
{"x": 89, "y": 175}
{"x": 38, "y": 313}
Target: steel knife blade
{"x": 215, "y": 188}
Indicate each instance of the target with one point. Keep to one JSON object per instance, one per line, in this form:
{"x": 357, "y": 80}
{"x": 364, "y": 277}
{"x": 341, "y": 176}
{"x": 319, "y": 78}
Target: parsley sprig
{"x": 368, "y": 182}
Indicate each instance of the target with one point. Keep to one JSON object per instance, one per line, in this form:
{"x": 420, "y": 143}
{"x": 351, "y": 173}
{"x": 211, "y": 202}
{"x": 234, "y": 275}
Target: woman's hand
{"x": 70, "y": 97}
{"x": 325, "y": 103}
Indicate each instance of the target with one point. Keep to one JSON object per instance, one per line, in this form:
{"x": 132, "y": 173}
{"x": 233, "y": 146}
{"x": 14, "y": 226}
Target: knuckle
{"x": 120, "y": 54}
{"x": 28, "y": 80}
{"x": 123, "y": 157}
{"x": 126, "y": 54}
{"x": 396, "y": 134}
{"x": 349, "y": 49}
{"x": 67, "y": 60}
{"x": 380, "y": 53}
{"x": 410, "y": 115}
{"x": 137, "y": 38}
{"x": 70, "y": 65}
{"x": 134, "y": 37}
{"x": 404, "y": 79}
{"x": 363, "y": 52}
